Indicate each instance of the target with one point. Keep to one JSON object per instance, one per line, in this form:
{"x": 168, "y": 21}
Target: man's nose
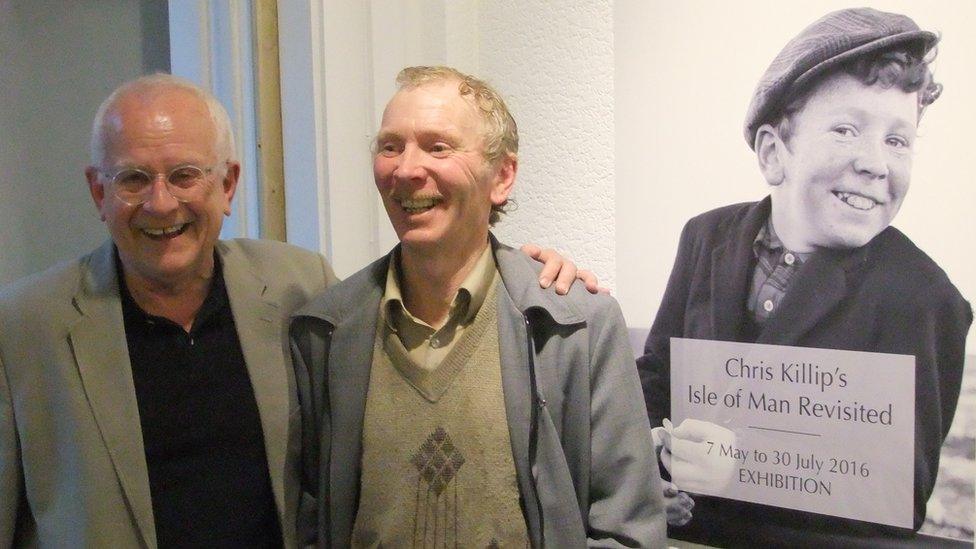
{"x": 871, "y": 159}
{"x": 410, "y": 164}
{"x": 160, "y": 199}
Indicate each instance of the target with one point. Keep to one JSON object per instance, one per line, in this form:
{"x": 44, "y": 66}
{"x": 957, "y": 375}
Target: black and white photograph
{"x": 872, "y": 201}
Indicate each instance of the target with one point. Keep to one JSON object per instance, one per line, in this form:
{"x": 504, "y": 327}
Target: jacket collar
{"x": 519, "y": 274}
{"x": 517, "y": 271}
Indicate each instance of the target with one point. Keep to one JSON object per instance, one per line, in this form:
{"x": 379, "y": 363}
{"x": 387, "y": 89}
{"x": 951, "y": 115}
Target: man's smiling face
{"x": 431, "y": 171}
{"x": 163, "y": 241}
{"x": 847, "y": 165}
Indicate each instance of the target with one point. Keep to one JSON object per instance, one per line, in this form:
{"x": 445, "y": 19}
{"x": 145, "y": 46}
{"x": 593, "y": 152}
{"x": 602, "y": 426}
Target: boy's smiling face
{"x": 846, "y": 169}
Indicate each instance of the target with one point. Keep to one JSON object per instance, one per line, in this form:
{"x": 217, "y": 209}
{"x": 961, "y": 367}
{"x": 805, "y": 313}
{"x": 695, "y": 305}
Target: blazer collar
{"x": 98, "y": 338}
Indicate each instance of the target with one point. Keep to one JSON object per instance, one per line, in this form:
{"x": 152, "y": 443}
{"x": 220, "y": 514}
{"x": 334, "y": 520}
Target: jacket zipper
{"x": 537, "y": 403}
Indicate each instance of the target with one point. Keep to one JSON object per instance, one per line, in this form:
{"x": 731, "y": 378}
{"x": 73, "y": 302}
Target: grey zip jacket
{"x": 580, "y": 436}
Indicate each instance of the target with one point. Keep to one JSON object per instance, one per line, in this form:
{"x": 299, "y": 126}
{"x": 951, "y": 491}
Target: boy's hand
{"x": 677, "y": 505}
{"x": 561, "y": 270}
{"x": 691, "y": 455}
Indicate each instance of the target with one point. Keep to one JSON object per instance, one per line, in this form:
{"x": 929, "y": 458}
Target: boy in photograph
{"x": 833, "y": 123}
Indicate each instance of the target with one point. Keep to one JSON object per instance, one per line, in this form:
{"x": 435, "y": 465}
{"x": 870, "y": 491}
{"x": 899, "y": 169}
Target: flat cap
{"x": 833, "y": 39}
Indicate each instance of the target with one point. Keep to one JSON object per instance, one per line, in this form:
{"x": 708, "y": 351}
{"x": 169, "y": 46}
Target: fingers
{"x": 697, "y": 467}
{"x": 552, "y": 266}
{"x": 677, "y": 506}
{"x": 699, "y": 431}
{"x": 590, "y": 281}
{"x": 561, "y": 271}
{"x": 666, "y": 460}
{"x": 532, "y": 251}
{"x": 661, "y": 438}
{"x": 567, "y": 275}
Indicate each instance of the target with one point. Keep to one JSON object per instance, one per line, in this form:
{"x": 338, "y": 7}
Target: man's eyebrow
{"x": 386, "y": 135}
{"x": 449, "y": 134}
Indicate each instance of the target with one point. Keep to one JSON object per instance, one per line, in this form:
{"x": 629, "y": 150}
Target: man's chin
{"x": 421, "y": 243}
{"x": 168, "y": 269}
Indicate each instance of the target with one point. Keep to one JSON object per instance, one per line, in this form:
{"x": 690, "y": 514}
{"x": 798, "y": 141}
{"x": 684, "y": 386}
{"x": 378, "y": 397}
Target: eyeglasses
{"x": 184, "y": 183}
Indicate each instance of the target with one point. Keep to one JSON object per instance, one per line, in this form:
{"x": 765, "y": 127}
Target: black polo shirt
{"x": 208, "y": 473}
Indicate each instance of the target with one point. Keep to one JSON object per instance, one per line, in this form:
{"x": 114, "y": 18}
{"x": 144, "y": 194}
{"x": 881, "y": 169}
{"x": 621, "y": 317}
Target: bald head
{"x": 147, "y": 90}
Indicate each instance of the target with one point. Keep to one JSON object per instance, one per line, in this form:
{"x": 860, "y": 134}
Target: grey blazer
{"x": 72, "y": 463}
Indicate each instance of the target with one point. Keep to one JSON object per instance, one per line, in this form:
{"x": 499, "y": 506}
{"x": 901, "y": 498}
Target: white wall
{"x": 552, "y": 62}
{"x": 685, "y": 72}
{"x": 58, "y": 60}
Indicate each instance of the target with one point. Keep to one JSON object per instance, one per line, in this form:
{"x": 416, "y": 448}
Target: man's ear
{"x": 229, "y": 184}
{"x": 504, "y": 180}
{"x": 769, "y": 151}
{"x": 96, "y": 189}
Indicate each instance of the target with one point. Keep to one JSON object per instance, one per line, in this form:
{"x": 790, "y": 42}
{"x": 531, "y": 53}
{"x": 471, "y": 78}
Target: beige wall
{"x": 58, "y": 60}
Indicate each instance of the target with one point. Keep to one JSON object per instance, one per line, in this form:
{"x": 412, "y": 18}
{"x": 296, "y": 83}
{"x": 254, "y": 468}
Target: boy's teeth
{"x": 857, "y": 201}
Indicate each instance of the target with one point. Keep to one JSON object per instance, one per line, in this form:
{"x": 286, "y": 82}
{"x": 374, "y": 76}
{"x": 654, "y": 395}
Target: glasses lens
{"x": 131, "y": 184}
{"x": 185, "y": 177}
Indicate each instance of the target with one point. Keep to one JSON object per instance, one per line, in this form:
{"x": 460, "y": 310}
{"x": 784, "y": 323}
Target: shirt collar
{"x": 767, "y": 240}
{"x": 467, "y": 301}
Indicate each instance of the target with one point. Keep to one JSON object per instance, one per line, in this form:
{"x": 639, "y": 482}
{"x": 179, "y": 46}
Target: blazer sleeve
{"x": 625, "y": 490}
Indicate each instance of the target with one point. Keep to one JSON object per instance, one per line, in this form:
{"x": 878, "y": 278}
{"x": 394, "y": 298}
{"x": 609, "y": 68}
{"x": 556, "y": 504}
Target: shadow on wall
{"x": 953, "y": 503}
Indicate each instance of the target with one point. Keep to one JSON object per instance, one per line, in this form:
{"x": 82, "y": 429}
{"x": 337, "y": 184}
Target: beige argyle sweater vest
{"x": 437, "y": 468}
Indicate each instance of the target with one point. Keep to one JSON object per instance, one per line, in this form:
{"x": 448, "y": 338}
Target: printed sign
{"x": 817, "y": 430}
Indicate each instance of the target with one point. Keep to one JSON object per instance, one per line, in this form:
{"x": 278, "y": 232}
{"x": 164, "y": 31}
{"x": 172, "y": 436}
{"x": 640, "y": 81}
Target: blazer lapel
{"x": 729, "y": 276}
{"x": 258, "y": 319}
{"x": 732, "y": 264}
{"x": 98, "y": 339}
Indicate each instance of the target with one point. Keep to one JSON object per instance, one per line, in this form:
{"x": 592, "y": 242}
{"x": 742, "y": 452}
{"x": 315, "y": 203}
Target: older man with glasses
{"x": 145, "y": 394}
